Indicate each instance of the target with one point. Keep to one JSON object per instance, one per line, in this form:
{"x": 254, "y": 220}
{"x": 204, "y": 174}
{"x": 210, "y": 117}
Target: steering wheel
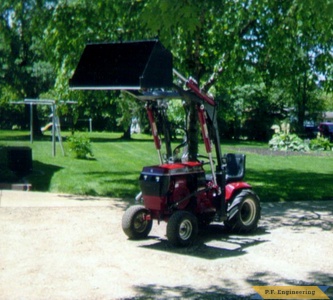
{"x": 205, "y": 157}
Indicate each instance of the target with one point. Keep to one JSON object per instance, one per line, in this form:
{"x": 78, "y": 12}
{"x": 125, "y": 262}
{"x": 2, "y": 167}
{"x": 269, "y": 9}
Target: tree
{"x": 286, "y": 45}
{"x": 205, "y": 39}
{"x": 229, "y": 47}
{"x": 25, "y": 68}
{"x": 296, "y": 49}
{"x": 75, "y": 23}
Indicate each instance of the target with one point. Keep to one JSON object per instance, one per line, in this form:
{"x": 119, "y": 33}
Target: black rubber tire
{"x": 182, "y": 228}
{"x": 133, "y": 223}
{"x": 243, "y": 212}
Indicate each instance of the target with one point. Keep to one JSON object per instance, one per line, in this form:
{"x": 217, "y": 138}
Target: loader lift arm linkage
{"x": 206, "y": 109}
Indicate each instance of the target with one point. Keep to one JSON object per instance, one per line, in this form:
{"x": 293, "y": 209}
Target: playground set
{"x": 54, "y": 124}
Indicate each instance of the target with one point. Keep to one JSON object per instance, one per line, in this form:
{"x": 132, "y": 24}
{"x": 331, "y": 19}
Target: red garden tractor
{"x": 177, "y": 191}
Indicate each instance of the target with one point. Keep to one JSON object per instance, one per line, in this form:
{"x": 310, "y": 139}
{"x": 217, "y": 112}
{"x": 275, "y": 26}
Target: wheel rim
{"x": 248, "y": 212}
{"x": 140, "y": 224}
{"x": 185, "y": 229}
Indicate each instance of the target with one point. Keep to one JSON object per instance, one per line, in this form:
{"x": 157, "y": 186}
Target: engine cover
{"x": 166, "y": 184}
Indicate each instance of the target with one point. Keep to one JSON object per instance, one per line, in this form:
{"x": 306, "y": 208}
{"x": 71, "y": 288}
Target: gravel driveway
{"x": 67, "y": 247}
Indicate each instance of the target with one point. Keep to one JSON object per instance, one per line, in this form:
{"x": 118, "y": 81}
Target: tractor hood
{"x": 123, "y": 66}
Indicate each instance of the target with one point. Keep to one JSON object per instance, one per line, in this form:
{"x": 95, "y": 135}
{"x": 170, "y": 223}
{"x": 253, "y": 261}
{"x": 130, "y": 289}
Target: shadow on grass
{"x": 290, "y": 185}
{"x": 24, "y": 137}
{"x": 115, "y": 184}
{"x": 119, "y": 140}
{"x": 41, "y": 176}
{"x": 282, "y": 185}
{"x": 148, "y": 139}
{"x": 14, "y": 137}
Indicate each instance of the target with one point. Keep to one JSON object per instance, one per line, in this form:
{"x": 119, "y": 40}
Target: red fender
{"x": 231, "y": 188}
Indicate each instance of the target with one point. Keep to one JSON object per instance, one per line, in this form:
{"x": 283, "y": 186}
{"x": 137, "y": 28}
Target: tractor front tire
{"x": 243, "y": 212}
{"x": 182, "y": 228}
{"x": 134, "y": 223}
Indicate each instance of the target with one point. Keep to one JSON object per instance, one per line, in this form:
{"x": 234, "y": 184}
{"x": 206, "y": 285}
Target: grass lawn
{"x": 116, "y": 165}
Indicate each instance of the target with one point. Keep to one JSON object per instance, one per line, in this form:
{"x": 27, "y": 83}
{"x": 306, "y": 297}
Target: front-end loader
{"x": 175, "y": 190}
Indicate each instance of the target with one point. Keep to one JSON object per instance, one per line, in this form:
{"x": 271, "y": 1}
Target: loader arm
{"x": 195, "y": 95}
{"x": 206, "y": 107}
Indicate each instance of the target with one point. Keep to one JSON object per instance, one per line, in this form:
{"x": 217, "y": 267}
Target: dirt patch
{"x": 81, "y": 253}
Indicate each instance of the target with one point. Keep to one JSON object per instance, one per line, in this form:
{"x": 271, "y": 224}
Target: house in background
{"x": 328, "y": 116}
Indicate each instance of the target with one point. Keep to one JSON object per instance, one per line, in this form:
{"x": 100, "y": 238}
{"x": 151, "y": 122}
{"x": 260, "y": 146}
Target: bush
{"x": 287, "y": 142}
{"x": 80, "y": 145}
{"x": 320, "y": 144}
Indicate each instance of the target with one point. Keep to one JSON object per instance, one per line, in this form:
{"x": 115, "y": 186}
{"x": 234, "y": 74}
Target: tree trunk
{"x": 193, "y": 139}
{"x": 302, "y": 103}
{"x": 127, "y": 134}
{"x": 37, "y": 132}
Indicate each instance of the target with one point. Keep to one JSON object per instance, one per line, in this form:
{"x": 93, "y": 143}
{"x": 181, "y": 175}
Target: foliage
{"x": 278, "y": 51}
{"x": 253, "y": 111}
{"x": 206, "y": 40}
{"x": 295, "y": 53}
{"x": 128, "y": 108}
{"x": 287, "y": 142}
{"x": 10, "y": 115}
{"x": 327, "y": 100}
{"x": 177, "y": 117}
{"x": 80, "y": 145}
{"x": 233, "y": 44}
{"x": 320, "y": 144}
{"x": 25, "y": 65}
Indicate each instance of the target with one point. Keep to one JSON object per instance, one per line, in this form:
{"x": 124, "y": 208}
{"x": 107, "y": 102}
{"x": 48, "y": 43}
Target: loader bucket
{"x": 123, "y": 66}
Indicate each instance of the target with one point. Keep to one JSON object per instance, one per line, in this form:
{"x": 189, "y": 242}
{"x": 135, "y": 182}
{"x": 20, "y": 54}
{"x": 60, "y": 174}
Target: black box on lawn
{"x": 19, "y": 159}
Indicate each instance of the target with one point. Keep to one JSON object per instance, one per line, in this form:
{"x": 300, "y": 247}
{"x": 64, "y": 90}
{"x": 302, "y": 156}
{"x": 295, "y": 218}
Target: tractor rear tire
{"x": 182, "y": 228}
{"x": 134, "y": 224}
{"x": 243, "y": 212}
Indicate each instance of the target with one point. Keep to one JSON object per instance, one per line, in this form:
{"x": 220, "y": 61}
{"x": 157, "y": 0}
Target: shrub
{"x": 288, "y": 142}
{"x": 80, "y": 145}
{"x": 320, "y": 144}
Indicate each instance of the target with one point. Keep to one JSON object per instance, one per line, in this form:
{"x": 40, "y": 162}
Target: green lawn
{"x": 116, "y": 165}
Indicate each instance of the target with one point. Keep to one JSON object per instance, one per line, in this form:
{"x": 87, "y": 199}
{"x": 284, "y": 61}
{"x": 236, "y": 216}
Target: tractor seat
{"x": 235, "y": 167}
